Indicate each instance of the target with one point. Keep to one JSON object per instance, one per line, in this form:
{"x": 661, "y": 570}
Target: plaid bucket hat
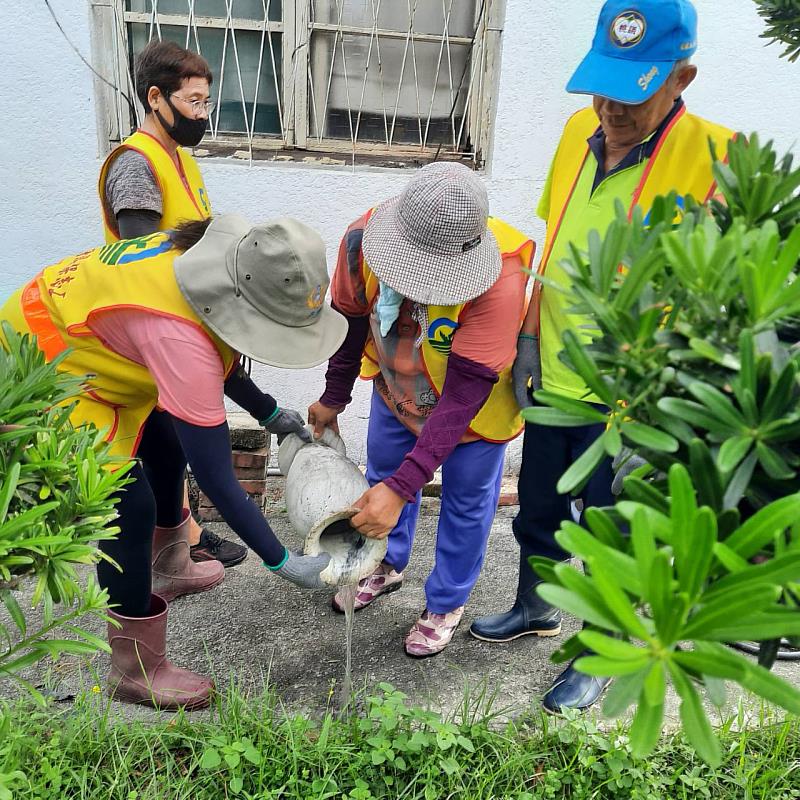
{"x": 262, "y": 290}
{"x": 431, "y": 243}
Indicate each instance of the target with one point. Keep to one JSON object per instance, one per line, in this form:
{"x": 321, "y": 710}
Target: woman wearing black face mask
{"x": 151, "y": 183}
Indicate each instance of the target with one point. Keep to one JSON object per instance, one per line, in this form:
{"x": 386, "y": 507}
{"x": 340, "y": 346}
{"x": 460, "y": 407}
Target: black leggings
{"x": 154, "y": 497}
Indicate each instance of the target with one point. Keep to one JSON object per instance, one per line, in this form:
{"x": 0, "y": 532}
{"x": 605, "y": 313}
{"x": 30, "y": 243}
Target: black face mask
{"x": 185, "y": 131}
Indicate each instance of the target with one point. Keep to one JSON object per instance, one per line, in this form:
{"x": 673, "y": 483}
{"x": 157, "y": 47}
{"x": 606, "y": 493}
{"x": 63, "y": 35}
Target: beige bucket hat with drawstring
{"x": 261, "y": 289}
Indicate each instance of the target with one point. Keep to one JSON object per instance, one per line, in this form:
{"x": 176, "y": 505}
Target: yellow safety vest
{"x": 57, "y": 306}
{"x": 183, "y": 193}
{"x": 499, "y": 419}
{"x": 681, "y": 162}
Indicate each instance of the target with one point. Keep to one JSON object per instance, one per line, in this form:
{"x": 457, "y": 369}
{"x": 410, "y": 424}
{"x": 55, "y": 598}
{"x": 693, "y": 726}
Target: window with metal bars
{"x": 389, "y": 82}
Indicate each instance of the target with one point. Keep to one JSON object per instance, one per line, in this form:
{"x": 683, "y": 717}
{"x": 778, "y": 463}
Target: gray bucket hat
{"x": 431, "y": 243}
{"x": 262, "y": 289}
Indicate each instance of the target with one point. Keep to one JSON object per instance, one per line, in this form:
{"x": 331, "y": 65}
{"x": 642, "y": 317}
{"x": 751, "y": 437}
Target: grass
{"x": 250, "y": 748}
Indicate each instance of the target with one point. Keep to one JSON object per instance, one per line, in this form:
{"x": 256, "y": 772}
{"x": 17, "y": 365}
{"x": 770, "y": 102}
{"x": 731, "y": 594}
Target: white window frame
{"x": 109, "y": 30}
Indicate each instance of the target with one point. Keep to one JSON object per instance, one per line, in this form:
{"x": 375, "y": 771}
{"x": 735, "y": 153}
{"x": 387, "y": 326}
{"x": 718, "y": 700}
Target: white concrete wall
{"x": 49, "y": 161}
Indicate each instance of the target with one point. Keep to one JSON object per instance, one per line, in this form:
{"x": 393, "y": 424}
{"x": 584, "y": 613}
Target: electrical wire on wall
{"x": 88, "y": 64}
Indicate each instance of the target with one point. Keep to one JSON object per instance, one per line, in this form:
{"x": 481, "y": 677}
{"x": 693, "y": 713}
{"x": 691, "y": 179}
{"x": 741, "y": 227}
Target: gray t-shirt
{"x": 131, "y": 185}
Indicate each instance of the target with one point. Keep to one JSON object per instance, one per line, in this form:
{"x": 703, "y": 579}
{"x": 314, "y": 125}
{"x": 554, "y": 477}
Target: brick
{"x": 251, "y": 459}
{"x": 254, "y": 487}
{"x": 250, "y": 473}
{"x": 510, "y": 498}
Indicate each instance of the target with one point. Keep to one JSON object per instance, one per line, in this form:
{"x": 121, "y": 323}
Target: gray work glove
{"x": 625, "y": 462}
{"x": 285, "y": 421}
{"x": 527, "y": 369}
{"x": 304, "y": 571}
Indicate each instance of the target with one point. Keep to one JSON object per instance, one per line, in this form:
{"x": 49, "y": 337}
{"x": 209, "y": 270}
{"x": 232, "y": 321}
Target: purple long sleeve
{"x": 345, "y": 364}
{"x": 467, "y": 386}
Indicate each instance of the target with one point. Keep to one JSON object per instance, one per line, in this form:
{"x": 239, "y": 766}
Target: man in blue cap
{"x": 635, "y": 142}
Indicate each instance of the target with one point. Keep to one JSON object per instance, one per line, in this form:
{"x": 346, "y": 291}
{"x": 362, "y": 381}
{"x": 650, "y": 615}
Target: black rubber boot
{"x": 573, "y": 689}
{"x": 530, "y": 615}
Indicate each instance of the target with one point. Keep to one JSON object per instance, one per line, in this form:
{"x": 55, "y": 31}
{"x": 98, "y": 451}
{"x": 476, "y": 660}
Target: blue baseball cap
{"x": 635, "y": 47}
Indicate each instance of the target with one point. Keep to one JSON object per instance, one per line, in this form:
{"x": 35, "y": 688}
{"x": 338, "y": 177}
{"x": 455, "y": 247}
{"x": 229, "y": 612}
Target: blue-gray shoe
{"x": 573, "y": 689}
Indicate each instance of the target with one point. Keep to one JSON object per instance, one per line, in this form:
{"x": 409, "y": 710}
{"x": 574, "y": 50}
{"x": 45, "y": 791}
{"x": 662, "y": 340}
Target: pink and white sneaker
{"x": 382, "y": 581}
{"x": 431, "y": 633}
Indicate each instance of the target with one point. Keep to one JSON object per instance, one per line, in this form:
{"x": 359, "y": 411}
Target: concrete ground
{"x": 256, "y": 627}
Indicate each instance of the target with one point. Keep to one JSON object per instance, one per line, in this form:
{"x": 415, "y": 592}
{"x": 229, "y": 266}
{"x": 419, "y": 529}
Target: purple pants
{"x": 471, "y": 479}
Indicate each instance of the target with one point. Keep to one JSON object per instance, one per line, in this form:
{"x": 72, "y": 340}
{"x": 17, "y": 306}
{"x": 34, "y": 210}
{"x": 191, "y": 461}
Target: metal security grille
{"x": 372, "y": 81}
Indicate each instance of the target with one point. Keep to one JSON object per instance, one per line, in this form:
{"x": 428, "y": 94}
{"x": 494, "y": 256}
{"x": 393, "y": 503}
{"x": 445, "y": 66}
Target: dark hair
{"x": 187, "y": 234}
{"x": 166, "y": 65}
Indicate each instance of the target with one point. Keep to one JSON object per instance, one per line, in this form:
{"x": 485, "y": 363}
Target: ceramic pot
{"x": 321, "y": 486}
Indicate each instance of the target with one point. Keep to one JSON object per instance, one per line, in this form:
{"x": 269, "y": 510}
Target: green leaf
{"x": 721, "y": 662}
{"x": 612, "y": 441}
{"x": 695, "y": 722}
{"x": 210, "y": 759}
{"x": 737, "y": 485}
{"x": 762, "y": 527}
{"x": 717, "y": 404}
{"x": 14, "y": 611}
{"x": 655, "y": 685}
{"x": 623, "y": 692}
{"x": 8, "y": 488}
{"x": 776, "y": 624}
{"x": 639, "y": 491}
{"x": 604, "y": 528}
{"x": 659, "y": 593}
{"x": 649, "y": 437}
{"x": 696, "y": 415}
{"x": 574, "y": 604}
{"x": 589, "y": 413}
{"x": 693, "y": 567}
{"x": 704, "y": 475}
{"x": 682, "y": 499}
{"x": 707, "y": 350}
{"x": 575, "y": 539}
{"x": 581, "y": 470}
{"x": 721, "y": 610}
{"x": 551, "y": 417}
{"x": 777, "y": 571}
{"x": 615, "y": 649}
{"x": 773, "y": 464}
{"x": 733, "y": 450}
{"x": 609, "y": 668}
{"x": 646, "y": 729}
{"x": 586, "y": 368}
{"x": 617, "y": 601}
{"x": 465, "y": 744}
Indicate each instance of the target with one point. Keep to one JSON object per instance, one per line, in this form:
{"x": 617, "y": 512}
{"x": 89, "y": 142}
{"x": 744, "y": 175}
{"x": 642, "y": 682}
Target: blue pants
{"x": 471, "y": 479}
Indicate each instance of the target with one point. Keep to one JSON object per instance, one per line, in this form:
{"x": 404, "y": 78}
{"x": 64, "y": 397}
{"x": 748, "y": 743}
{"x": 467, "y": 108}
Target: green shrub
{"x": 56, "y": 502}
{"x": 695, "y": 356}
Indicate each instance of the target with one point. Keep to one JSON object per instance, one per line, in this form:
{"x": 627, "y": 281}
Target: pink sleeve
{"x": 488, "y": 330}
{"x": 184, "y": 362}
